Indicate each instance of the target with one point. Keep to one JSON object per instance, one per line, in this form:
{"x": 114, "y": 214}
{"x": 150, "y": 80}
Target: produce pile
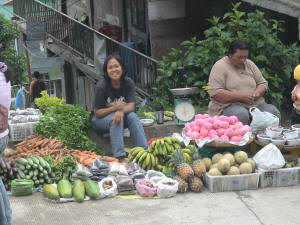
{"x": 8, "y": 172}
{"x": 78, "y": 190}
{"x": 228, "y": 164}
{"x": 222, "y": 128}
{"x": 158, "y": 155}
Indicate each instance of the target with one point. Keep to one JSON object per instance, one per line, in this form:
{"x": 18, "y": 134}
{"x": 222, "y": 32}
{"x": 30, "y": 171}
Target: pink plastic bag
{"x": 146, "y": 188}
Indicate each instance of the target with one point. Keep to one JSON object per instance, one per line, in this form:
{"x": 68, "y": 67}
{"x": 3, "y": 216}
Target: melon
{"x": 253, "y": 164}
{"x": 240, "y": 157}
{"x": 233, "y": 171}
{"x": 215, "y": 165}
{"x": 207, "y": 162}
{"x": 223, "y": 165}
{"x": 216, "y": 158}
{"x": 214, "y": 172}
{"x": 230, "y": 157}
{"x": 245, "y": 168}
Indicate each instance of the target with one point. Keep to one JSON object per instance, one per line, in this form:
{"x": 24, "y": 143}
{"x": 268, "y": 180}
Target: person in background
{"x": 37, "y": 86}
{"x": 295, "y": 115}
{"x": 5, "y": 101}
{"x": 114, "y": 106}
{"x": 236, "y": 84}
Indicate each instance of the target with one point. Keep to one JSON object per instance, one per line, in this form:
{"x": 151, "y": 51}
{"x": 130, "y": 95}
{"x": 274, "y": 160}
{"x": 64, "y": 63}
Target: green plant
{"x": 68, "y": 123}
{"x": 45, "y": 101}
{"x": 191, "y": 65}
{"x": 8, "y": 54}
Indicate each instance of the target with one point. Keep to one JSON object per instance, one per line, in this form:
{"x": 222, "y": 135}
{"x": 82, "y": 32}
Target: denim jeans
{"x": 243, "y": 114}
{"x": 131, "y": 121}
{"x": 5, "y": 210}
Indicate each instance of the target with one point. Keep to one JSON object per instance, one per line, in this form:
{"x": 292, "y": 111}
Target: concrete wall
{"x": 287, "y": 7}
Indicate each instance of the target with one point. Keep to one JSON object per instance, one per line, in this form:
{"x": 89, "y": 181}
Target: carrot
{"x": 110, "y": 159}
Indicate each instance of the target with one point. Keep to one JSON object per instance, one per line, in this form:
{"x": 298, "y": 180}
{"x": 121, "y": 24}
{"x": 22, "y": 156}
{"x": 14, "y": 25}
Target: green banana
{"x": 142, "y": 157}
{"x": 137, "y": 157}
{"x": 153, "y": 161}
{"x": 134, "y": 151}
{"x": 168, "y": 140}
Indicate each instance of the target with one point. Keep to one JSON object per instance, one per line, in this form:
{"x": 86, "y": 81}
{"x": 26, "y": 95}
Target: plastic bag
{"x": 261, "y": 120}
{"x": 82, "y": 171}
{"x": 99, "y": 164}
{"x": 269, "y": 157}
{"x": 108, "y": 187}
{"x": 19, "y": 103}
{"x": 155, "y": 176}
{"x": 117, "y": 169}
{"x": 167, "y": 187}
{"x": 146, "y": 188}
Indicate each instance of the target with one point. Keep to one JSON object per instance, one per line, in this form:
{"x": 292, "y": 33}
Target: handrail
{"x": 80, "y": 39}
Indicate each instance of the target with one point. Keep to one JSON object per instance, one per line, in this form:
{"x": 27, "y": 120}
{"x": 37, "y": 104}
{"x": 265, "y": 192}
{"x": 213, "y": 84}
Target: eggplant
{"x": 7, "y": 165}
{"x": 2, "y": 164}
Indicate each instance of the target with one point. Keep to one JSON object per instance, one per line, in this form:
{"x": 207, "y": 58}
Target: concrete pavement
{"x": 268, "y": 206}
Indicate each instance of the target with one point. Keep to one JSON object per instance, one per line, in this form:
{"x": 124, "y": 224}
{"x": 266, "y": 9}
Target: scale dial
{"x": 185, "y": 111}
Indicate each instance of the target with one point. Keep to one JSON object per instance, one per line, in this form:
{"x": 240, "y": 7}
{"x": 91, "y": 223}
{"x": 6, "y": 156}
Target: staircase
{"x": 80, "y": 39}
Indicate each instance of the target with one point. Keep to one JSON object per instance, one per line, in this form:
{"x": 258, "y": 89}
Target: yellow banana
{"x": 150, "y": 148}
{"x": 134, "y": 151}
{"x": 144, "y": 165}
{"x": 147, "y": 158}
{"x": 142, "y": 157}
{"x": 168, "y": 140}
{"x": 153, "y": 160}
{"x": 186, "y": 150}
{"x": 165, "y": 150}
{"x": 139, "y": 155}
{"x": 188, "y": 157}
{"x": 153, "y": 143}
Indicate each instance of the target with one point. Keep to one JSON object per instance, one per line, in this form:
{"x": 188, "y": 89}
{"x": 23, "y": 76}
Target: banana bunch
{"x": 164, "y": 146}
{"x": 146, "y": 160}
{"x": 188, "y": 153}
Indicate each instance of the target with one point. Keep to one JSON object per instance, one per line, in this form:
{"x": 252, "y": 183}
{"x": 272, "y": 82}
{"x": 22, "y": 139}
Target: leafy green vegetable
{"x": 69, "y": 124}
{"x": 46, "y": 101}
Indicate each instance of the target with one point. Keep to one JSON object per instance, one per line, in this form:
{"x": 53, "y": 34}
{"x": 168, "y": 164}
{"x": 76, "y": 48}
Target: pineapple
{"x": 198, "y": 166}
{"x": 182, "y": 184}
{"x": 184, "y": 170}
{"x": 195, "y": 184}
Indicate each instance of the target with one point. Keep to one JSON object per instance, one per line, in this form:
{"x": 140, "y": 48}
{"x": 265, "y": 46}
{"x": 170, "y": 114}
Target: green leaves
{"x": 191, "y": 65}
{"x": 68, "y": 123}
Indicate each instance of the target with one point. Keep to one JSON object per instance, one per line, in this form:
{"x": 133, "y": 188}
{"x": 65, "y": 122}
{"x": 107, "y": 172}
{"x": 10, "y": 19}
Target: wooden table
{"x": 256, "y": 145}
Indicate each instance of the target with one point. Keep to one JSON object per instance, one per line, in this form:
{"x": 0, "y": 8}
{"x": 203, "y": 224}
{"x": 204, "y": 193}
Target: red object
{"x": 153, "y": 139}
{"x": 114, "y": 32}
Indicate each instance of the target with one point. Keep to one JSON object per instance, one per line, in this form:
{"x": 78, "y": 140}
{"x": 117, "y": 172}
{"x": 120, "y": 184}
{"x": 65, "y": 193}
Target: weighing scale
{"x": 184, "y": 110}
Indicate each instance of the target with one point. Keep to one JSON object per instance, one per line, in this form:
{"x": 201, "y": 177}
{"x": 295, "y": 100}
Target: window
{"x": 138, "y": 18}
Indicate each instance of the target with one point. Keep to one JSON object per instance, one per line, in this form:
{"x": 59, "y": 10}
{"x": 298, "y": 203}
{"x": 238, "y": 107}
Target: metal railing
{"x": 80, "y": 39}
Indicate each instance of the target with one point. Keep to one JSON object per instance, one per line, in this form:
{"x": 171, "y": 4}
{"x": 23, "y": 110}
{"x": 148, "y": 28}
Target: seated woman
{"x": 236, "y": 84}
{"x": 114, "y": 107}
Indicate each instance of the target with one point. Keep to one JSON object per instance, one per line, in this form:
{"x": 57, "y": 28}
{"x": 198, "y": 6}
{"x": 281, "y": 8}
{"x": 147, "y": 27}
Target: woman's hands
{"x": 118, "y": 117}
{"x": 119, "y": 105}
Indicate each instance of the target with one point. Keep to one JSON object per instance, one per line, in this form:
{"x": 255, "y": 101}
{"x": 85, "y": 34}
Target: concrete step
{"x": 156, "y": 130}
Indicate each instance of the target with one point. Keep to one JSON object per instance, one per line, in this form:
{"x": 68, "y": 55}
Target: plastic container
{"x": 263, "y": 138}
{"x": 280, "y": 177}
{"x": 274, "y": 132}
{"x": 20, "y": 131}
{"x": 278, "y": 141}
{"x": 294, "y": 142}
{"x": 291, "y": 134}
{"x": 231, "y": 182}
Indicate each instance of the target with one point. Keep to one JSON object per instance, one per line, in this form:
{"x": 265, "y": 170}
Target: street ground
{"x": 267, "y": 206}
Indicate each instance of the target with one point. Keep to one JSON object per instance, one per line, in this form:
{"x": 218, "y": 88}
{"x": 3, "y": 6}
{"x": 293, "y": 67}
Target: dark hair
{"x": 120, "y": 60}
{"x": 8, "y": 74}
{"x": 36, "y": 74}
{"x": 237, "y": 44}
